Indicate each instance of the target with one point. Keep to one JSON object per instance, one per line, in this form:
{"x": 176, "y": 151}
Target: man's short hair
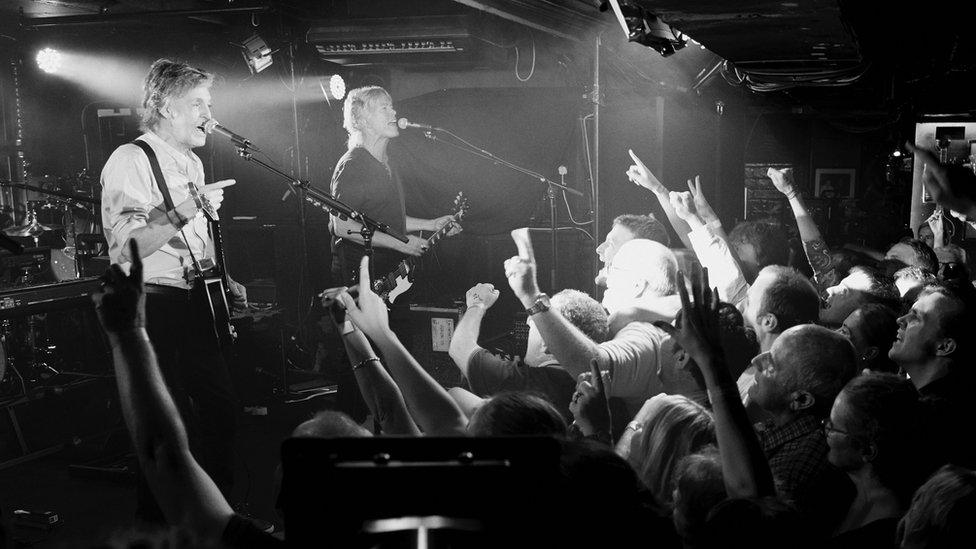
{"x": 791, "y": 297}
{"x": 651, "y": 261}
{"x": 915, "y": 273}
{"x": 924, "y": 255}
{"x": 644, "y": 226}
{"x": 822, "y": 360}
{"x": 959, "y": 323}
{"x": 168, "y": 80}
{"x": 357, "y": 101}
{"x": 582, "y": 311}
{"x": 768, "y": 240}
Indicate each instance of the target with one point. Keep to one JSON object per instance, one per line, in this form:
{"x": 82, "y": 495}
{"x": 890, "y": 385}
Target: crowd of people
{"x": 715, "y": 397}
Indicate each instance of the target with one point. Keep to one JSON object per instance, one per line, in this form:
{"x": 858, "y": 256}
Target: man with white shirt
{"x": 176, "y": 246}
{"x": 641, "y": 289}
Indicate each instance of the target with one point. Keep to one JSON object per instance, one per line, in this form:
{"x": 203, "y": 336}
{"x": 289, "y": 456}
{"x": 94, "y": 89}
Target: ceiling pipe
{"x": 101, "y": 18}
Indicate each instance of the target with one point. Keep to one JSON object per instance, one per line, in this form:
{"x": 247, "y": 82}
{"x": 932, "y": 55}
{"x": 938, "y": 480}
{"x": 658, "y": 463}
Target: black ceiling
{"x": 872, "y": 56}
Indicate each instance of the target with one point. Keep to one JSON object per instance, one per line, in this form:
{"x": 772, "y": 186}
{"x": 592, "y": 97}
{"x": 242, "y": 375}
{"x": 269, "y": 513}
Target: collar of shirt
{"x": 184, "y": 160}
{"x": 773, "y": 437}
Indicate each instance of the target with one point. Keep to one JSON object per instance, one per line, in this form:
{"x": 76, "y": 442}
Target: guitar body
{"x": 400, "y": 279}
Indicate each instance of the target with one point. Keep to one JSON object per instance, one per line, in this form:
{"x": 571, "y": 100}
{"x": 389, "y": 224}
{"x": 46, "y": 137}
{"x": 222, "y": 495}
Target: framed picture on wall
{"x": 834, "y": 183}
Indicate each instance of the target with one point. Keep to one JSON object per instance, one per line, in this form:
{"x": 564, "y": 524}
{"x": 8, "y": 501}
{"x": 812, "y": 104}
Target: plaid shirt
{"x": 797, "y": 454}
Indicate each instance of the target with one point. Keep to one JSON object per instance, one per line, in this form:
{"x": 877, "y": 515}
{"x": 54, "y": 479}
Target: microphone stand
{"x": 472, "y": 149}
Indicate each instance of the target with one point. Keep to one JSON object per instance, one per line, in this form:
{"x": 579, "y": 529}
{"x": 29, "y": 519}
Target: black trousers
{"x": 198, "y": 379}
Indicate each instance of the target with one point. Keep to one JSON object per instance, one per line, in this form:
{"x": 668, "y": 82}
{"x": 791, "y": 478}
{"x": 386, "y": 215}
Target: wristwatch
{"x": 541, "y": 305}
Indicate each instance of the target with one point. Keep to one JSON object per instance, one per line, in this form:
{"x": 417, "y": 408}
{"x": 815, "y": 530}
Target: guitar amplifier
{"x": 426, "y": 332}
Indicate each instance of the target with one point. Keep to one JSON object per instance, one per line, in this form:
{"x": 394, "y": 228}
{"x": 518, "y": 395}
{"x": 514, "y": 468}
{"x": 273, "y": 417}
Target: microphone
{"x": 212, "y": 126}
{"x": 403, "y": 124}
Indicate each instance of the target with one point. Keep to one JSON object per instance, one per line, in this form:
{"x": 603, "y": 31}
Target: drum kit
{"x": 53, "y": 212}
{"x": 44, "y": 213}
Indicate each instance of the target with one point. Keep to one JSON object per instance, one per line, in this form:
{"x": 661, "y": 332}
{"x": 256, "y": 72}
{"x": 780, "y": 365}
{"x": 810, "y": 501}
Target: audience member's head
{"x": 926, "y": 235}
{"x": 942, "y": 511}
{"x": 641, "y": 269}
{"x": 952, "y": 263}
{"x": 766, "y": 523}
{"x": 936, "y": 335}
{"x": 874, "y": 432}
{"x": 330, "y": 424}
{"x": 739, "y": 345}
{"x": 580, "y": 310}
{"x": 675, "y": 428}
{"x": 758, "y": 245}
{"x": 625, "y": 228}
{"x": 780, "y": 298}
{"x": 910, "y": 280}
{"x": 872, "y": 329}
{"x": 914, "y": 252}
{"x": 861, "y": 286}
{"x": 517, "y": 413}
{"x": 698, "y": 487}
{"x": 803, "y": 372}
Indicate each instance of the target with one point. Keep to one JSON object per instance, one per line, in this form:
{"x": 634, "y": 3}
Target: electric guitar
{"x": 210, "y": 291}
{"x": 401, "y": 278}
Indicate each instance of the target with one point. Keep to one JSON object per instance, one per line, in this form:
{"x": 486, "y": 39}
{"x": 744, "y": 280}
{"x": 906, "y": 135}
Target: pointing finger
{"x": 218, "y": 185}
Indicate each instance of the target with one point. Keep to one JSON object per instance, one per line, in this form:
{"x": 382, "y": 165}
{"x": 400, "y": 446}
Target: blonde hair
{"x": 680, "y": 428}
{"x": 168, "y": 80}
{"x": 357, "y": 101}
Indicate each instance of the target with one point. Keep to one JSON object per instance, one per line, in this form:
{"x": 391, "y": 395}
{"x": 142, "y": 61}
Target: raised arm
{"x": 641, "y": 175}
{"x": 187, "y": 496}
{"x": 571, "y": 347}
{"x": 950, "y": 186}
{"x": 380, "y": 392}
{"x": 744, "y": 466}
{"x": 464, "y": 342}
{"x": 813, "y": 243}
{"x": 431, "y": 407}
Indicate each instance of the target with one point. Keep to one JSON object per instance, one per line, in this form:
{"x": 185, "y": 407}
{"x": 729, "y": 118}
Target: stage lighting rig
{"x": 256, "y": 53}
{"x": 645, "y": 28}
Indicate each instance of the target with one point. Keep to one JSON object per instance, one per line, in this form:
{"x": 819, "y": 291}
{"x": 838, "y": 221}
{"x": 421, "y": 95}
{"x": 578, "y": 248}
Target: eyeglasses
{"x": 828, "y": 428}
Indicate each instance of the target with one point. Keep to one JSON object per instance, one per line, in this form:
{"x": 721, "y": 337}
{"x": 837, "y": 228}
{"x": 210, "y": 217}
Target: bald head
{"x": 648, "y": 261}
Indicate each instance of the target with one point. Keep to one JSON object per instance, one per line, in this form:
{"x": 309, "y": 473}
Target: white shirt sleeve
{"x": 127, "y": 196}
{"x": 724, "y": 272}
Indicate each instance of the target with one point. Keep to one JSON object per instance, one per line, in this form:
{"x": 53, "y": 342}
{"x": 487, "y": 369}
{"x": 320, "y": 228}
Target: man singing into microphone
{"x": 175, "y": 245}
{"x": 364, "y": 180}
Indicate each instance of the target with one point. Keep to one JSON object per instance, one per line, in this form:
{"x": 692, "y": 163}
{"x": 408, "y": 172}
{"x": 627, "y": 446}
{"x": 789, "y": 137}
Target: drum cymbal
{"x": 31, "y": 229}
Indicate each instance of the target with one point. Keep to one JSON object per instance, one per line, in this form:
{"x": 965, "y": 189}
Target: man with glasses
{"x": 796, "y": 383}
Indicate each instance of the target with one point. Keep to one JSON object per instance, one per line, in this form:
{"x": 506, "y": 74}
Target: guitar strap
{"x": 164, "y": 190}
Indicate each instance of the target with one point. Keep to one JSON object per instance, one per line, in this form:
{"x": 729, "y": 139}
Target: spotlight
{"x": 897, "y": 153}
{"x": 256, "y": 53}
{"x": 49, "y": 60}
{"x": 337, "y": 87}
{"x": 647, "y": 29}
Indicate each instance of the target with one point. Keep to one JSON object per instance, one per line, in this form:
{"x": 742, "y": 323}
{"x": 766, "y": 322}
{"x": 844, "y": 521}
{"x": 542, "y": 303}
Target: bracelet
{"x": 363, "y": 362}
{"x": 791, "y": 195}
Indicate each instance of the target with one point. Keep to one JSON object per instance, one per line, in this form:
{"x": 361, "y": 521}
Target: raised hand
{"x": 705, "y": 211}
{"x": 639, "y": 174}
{"x": 121, "y": 301}
{"x": 369, "y": 312}
{"x": 520, "y": 269}
{"x": 950, "y": 186}
{"x": 481, "y": 294}
{"x": 783, "y": 181}
{"x": 589, "y": 405}
{"x": 698, "y": 329}
{"x": 683, "y": 204}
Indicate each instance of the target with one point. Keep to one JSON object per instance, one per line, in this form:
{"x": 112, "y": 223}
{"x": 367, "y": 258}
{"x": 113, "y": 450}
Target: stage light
{"x": 647, "y": 29}
{"x": 49, "y": 60}
{"x": 897, "y": 153}
{"x": 256, "y": 53}
{"x": 337, "y": 87}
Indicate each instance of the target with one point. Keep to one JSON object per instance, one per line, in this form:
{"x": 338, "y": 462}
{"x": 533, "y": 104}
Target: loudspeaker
{"x": 426, "y": 331}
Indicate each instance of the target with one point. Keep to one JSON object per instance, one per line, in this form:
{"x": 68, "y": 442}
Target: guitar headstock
{"x": 460, "y": 206}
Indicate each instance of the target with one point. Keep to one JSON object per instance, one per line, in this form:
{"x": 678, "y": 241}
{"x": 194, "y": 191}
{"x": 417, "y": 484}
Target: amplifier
{"x": 426, "y": 331}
